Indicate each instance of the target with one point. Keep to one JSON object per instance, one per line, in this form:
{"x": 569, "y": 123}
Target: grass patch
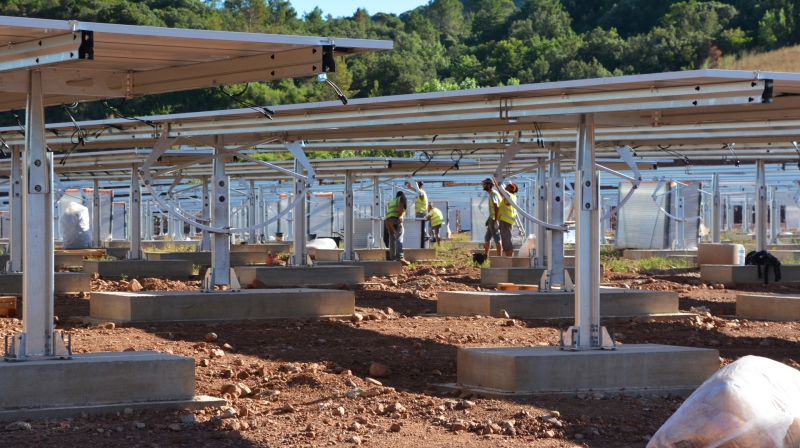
{"x": 616, "y": 264}
{"x": 173, "y": 248}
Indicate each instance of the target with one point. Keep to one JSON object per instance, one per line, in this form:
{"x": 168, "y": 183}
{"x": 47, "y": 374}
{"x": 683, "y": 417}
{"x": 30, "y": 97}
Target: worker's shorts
{"x": 492, "y": 233}
{"x": 435, "y": 230}
{"x": 505, "y": 234}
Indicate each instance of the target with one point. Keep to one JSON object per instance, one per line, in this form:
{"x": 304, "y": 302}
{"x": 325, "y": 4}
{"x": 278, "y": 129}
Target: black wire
{"x": 455, "y": 161}
{"x": 428, "y": 157}
{"x": 675, "y": 154}
{"x": 116, "y": 111}
{"x": 236, "y": 97}
{"x": 730, "y": 148}
{"x": 339, "y": 93}
{"x": 539, "y": 136}
{"x": 80, "y": 133}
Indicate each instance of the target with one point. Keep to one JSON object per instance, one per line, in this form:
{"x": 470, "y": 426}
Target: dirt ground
{"x": 292, "y": 382}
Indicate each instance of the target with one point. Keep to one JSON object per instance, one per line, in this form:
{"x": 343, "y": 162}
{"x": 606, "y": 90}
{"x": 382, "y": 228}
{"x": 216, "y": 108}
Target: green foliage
{"x": 450, "y": 44}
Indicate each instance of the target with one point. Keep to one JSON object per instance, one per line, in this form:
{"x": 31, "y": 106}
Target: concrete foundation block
{"x": 371, "y": 268}
{"x": 544, "y": 370}
{"x": 60, "y": 260}
{"x": 419, "y": 254}
{"x": 301, "y": 275}
{"x": 372, "y": 254}
{"x": 139, "y": 268}
{"x": 729, "y": 274}
{"x": 328, "y": 254}
{"x": 718, "y": 253}
{"x": 96, "y": 379}
{"x": 188, "y": 306}
{"x": 551, "y": 305}
{"x": 520, "y": 276}
{"x": 64, "y": 283}
{"x": 768, "y": 307}
{"x": 204, "y": 258}
{"x": 510, "y": 262}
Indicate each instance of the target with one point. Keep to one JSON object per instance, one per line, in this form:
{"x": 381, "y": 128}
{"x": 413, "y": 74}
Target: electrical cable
{"x": 428, "y": 157}
{"x": 336, "y": 89}
{"x": 116, "y": 111}
{"x": 80, "y": 133}
{"x": 263, "y": 110}
{"x": 455, "y": 161}
{"x": 674, "y": 153}
{"x": 730, "y": 148}
{"x": 3, "y": 144}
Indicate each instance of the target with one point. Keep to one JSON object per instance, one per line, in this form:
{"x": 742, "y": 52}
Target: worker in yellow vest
{"x": 394, "y": 227}
{"x": 421, "y": 202}
{"x": 492, "y": 230}
{"x": 508, "y": 217}
{"x": 437, "y": 219}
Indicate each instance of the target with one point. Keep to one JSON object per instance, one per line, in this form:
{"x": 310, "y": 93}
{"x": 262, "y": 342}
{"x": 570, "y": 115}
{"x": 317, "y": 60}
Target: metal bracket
{"x": 48, "y": 50}
{"x": 208, "y": 282}
{"x": 16, "y": 351}
{"x": 569, "y": 339}
{"x": 328, "y": 59}
{"x": 607, "y": 341}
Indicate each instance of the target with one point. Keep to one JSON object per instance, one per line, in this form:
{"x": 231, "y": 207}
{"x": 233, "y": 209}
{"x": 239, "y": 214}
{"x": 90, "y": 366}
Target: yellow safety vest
{"x": 494, "y": 198}
{"x": 393, "y": 210}
{"x": 436, "y": 217}
{"x": 508, "y": 213}
{"x": 421, "y": 203}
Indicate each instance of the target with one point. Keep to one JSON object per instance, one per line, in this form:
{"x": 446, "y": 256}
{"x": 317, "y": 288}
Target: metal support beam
{"x": 556, "y": 201}
{"x": 251, "y": 212}
{"x": 221, "y": 215}
{"x": 728, "y": 214}
{"x": 135, "y": 216}
{"x": 717, "y": 209}
{"x": 774, "y": 216}
{"x": 761, "y": 206}
{"x": 96, "y": 214}
{"x": 349, "y": 229}
{"x": 15, "y": 206}
{"x": 299, "y": 222}
{"x": 541, "y": 214}
{"x": 746, "y": 215}
{"x": 680, "y": 223}
{"x": 148, "y": 229}
{"x": 587, "y": 244}
{"x": 377, "y": 225}
{"x": 205, "y": 240}
{"x": 37, "y": 337}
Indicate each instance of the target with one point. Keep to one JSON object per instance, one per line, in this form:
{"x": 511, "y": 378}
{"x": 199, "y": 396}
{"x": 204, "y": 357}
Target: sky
{"x": 339, "y": 8}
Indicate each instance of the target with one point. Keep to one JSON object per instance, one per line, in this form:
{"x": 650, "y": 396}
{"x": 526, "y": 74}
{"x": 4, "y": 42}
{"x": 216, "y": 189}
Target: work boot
{"x": 404, "y": 262}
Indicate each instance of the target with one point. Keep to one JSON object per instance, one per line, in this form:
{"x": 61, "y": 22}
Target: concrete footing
{"x": 510, "y": 262}
{"x": 204, "y": 258}
{"x": 219, "y": 306}
{"x": 98, "y": 382}
{"x": 521, "y": 276}
{"x": 325, "y": 275}
{"x": 768, "y": 307}
{"x": 729, "y": 274}
{"x": 371, "y": 268}
{"x": 630, "y": 369}
{"x": 59, "y": 260}
{"x": 64, "y": 283}
{"x": 414, "y": 255}
{"x": 328, "y": 254}
{"x": 139, "y": 268}
{"x": 372, "y": 254}
{"x": 550, "y": 305}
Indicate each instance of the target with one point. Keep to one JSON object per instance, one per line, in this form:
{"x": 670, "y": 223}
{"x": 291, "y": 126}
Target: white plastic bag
{"x": 319, "y": 243}
{"x": 751, "y": 403}
{"x": 526, "y": 250}
{"x": 75, "y": 227}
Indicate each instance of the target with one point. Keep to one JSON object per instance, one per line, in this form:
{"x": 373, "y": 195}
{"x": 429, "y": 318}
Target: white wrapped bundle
{"x": 751, "y": 403}
{"x": 75, "y": 227}
{"x": 319, "y": 243}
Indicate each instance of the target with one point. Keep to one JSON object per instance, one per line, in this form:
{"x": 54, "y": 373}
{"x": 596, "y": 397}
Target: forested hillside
{"x": 449, "y": 44}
